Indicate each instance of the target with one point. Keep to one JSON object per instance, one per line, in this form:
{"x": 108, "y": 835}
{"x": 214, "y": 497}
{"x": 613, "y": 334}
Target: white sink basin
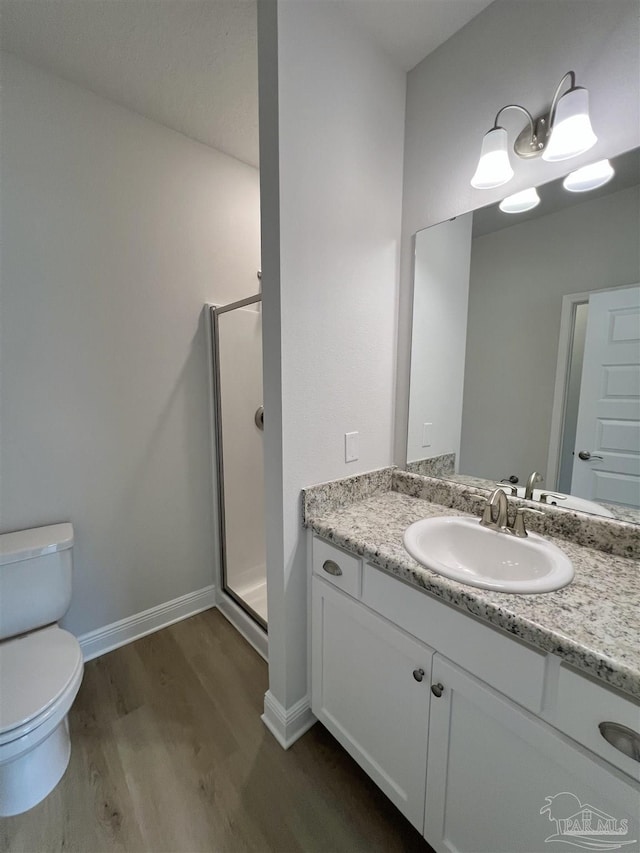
{"x": 570, "y": 502}
{"x": 463, "y": 550}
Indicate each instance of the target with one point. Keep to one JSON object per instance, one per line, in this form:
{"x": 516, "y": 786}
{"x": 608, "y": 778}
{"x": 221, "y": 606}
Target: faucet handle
{"x": 496, "y": 498}
{"x": 518, "y": 525}
{"x": 487, "y": 517}
{"x": 545, "y": 495}
{"x": 512, "y": 488}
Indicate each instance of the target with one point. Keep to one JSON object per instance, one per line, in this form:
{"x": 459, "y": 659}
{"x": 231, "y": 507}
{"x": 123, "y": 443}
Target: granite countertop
{"x": 593, "y": 624}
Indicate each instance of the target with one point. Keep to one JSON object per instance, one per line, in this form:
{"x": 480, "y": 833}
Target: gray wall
{"x": 115, "y": 231}
{"x": 518, "y": 278}
{"x": 515, "y": 50}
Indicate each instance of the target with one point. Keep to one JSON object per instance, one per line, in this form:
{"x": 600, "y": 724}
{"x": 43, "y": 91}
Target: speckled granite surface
{"x": 476, "y": 482}
{"x": 624, "y": 513}
{"x": 593, "y": 624}
{"x": 326, "y": 497}
{"x": 614, "y": 537}
{"x": 437, "y": 466}
{"x": 620, "y": 513}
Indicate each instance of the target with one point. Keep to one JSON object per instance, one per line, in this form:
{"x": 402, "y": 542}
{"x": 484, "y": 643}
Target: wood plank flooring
{"x": 169, "y": 754}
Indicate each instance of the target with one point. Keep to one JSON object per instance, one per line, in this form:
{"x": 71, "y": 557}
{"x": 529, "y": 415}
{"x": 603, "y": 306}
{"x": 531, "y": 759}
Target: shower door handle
{"x": 259, "y": 417}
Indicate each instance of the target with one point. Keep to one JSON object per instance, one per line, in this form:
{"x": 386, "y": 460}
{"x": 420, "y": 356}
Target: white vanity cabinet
{"x": 492, "y": 765}
{"x": 370, "y": 688}
{"x": 471, "y": 750}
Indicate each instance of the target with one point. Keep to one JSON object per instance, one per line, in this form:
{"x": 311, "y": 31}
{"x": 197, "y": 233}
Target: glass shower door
{"x": 237, "y": 338}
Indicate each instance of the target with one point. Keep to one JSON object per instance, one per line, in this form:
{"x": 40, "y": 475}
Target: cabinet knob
{"x": 437, "y": 689}
{"x": 418, "y": 674}
{"x": 332, "y": 568}
{"x": 622, "y": 738}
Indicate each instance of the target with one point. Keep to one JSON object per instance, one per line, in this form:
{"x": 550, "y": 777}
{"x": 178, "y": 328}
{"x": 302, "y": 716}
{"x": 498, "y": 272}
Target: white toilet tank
{"x": 35, "y": 577}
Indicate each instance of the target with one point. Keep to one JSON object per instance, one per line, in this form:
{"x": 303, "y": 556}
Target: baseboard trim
{"x": 287, "y": 725}
{"x": 110, "y": 637}
{"x": 244, "y": 624}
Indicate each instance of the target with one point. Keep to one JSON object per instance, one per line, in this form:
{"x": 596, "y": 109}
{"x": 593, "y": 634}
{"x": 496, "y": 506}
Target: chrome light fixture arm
{"x": 556, "y": 97}
{"x": 529, "y": 139}
{"x": 544, "y": 124}
{"x": 563, "y": 132}
{"x": 516, "y": 107}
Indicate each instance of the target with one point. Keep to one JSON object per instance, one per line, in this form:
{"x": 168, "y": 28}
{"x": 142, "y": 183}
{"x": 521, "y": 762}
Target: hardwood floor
{"x": 169, "y": 754}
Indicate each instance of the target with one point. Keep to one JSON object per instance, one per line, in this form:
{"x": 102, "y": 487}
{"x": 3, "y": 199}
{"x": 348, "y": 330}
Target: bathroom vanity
{"x": 481, "y": 715}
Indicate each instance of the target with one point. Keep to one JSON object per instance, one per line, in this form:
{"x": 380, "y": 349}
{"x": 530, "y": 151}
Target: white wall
{"x": 518, "y": 278}
{"x": 115, "y": 232}
{"x": 438, "y": 338}
{"x": 513, "y": 51}
{"x": 330, "y": 282}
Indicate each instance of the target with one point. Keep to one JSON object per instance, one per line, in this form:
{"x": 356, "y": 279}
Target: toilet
{"x": 41, "y": 664}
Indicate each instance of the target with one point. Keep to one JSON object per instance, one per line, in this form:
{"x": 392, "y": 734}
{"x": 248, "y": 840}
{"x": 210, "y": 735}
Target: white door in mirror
{"x": 463, "y": 550}
{"x": 607, "y": 451}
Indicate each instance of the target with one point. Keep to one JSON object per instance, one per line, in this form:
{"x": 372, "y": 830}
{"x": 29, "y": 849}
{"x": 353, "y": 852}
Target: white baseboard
{"x": 244, "y": 624}
{"x": 102, "y": 640}
{"x": 287, "y": 724}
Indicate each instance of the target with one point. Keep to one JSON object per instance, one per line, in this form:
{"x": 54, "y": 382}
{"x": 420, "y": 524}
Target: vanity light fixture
{"x": 589, "y": 177}
{"x": 564, "y": 132}
{"x": 494, "y": 168}
{"x": 520, "y": 202}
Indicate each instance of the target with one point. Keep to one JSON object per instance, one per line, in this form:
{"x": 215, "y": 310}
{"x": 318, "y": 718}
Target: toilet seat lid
{"x": 35, "y": 670}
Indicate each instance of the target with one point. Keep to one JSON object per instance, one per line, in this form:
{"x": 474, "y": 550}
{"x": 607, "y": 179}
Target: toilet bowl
{"x": 40, "y": 675}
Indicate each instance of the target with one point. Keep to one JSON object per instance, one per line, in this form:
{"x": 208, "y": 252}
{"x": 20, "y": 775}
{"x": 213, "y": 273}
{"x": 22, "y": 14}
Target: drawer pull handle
{"x": 418, "y": 674}
{"x": 622, "y": 738}
{"x": 332, "y": 568}
{"x": 437, "y": 689}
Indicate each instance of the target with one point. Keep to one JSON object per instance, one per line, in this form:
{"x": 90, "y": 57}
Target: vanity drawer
{"x": 505, "y": 663}
{"x": 584, "y": 704}
{"x": 338, "y": 567}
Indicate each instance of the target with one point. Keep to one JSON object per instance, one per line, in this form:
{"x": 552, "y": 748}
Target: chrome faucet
{"x": 533, "y": 479}
{"x": 498, "y": 499}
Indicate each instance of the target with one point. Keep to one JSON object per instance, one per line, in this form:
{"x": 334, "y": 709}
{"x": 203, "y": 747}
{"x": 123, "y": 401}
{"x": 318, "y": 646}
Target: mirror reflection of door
{"x": 606, "y": 457}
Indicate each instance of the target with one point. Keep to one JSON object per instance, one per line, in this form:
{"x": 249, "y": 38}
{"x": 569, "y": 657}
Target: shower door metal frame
{"x": 217, "y": 411}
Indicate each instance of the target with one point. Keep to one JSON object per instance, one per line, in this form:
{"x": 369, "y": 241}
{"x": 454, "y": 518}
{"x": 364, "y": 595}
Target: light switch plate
{"x": 427, "y": 434}
{"x": 350, "y": 446}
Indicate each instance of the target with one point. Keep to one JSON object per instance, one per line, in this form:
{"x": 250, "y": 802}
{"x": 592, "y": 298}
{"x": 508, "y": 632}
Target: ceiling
{"x": 190, "y": 65}
{"x": 408, "y": 30}
{"x": 193, "y": 65}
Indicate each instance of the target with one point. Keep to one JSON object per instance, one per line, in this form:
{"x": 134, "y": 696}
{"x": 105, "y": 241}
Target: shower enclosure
{"x": 236, "y": 336}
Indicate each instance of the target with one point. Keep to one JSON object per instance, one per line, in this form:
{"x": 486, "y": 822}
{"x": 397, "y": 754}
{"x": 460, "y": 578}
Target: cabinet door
{"x": 501, "y": 781}
{"x": 365, "y": 692}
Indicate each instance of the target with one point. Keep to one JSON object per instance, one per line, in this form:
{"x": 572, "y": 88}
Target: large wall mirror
{"x": 525, "y": 349}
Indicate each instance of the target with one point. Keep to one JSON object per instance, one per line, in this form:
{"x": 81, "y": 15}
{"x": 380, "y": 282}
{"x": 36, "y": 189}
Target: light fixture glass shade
{"x": 589, "y": 177}
{"x": 520, "y": 202}
{"x": 494, "y": 168}
{"x": 571, "y": 133}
